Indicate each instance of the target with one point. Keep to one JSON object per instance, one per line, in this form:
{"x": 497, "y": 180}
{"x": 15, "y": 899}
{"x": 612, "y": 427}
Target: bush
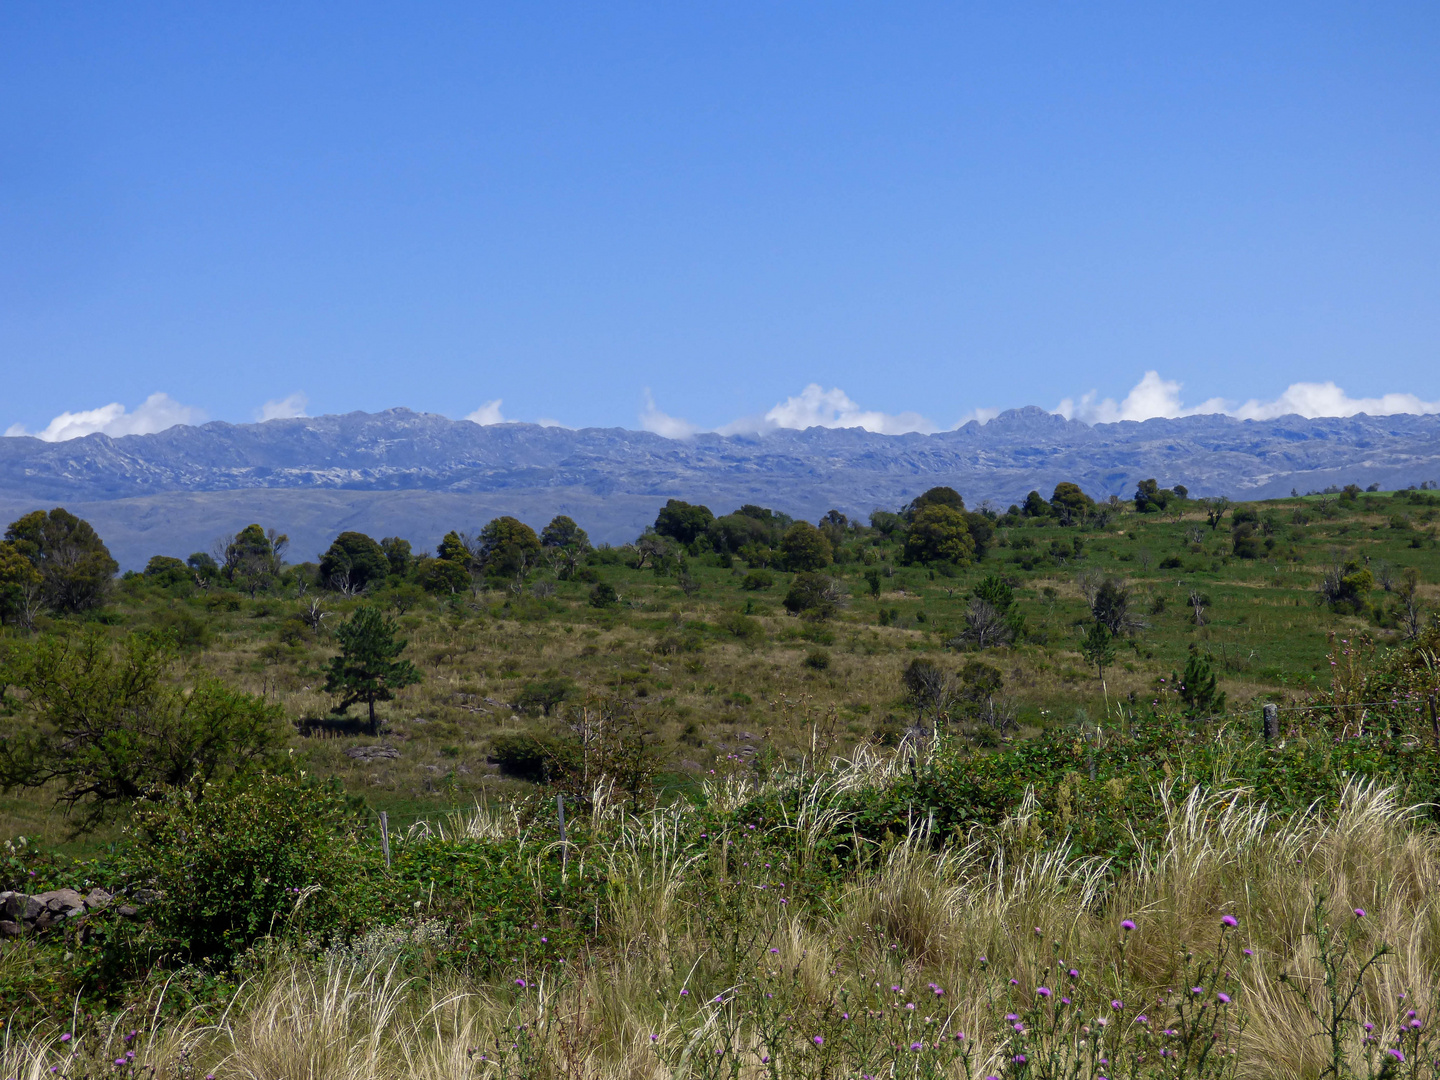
{"x": 532, "y": 757}
{"x": 233, "y": 862}
{"x": 757, "y": 579}
{"x": 814, "y": 594}
{"x": 817, "y": 660}
{"x": 603, "y": 595}
{"x": 542, "y": 695}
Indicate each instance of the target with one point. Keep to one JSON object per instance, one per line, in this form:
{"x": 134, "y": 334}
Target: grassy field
{"x": 720, "y": 669}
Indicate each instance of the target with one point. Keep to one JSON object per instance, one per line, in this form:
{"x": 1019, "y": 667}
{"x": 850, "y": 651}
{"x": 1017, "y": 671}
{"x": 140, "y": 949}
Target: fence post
{"x": 385, "y": 836}
{"x": 1272, "y": 721}
{"x": 564, "y": 847}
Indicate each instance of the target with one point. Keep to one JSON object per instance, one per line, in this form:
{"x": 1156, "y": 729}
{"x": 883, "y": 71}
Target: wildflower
{"x": 654, "y": 1037}
{"x": 1197, "y": 989}
{"x": 66, "y": 1037}
{"x": 1064, "y": 1001}
{"x": 520, "y": 983}
{"x": 1073, "y": 973}
{"x": 119, "y": 1061}
{"x": 1142, "y": 1019}
{"x": 1360, "y": 914}
{"x": 1127, "y": 925}
{"x": 1247, "y": 952}
{"x": 819, "y": 1040}
{"x": 1043, "y": 991}
{"x": 1224, "y": 999}
{"x": 910, "y": 1005}
{"x": 774, "y": 952}
{"x": 1229, "y": 920}
{"x": 1014, "y": 982}
{"x": 917, "y": 1046}
{"x": 1019, "y": 1059}
{"x": 1117, "y": 1004}
{"x": 1369, "y": 1026}
{"x": 684, "y": 993}
{"x": 1396, "y": 1054}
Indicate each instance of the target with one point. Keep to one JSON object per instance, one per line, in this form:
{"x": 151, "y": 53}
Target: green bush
{"x": 232, "y": 862}
{"x": 757, "y": 580}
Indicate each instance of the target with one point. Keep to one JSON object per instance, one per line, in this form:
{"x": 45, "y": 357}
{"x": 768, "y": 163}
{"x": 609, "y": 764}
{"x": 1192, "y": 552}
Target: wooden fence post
{"x": 1272, "y": 721}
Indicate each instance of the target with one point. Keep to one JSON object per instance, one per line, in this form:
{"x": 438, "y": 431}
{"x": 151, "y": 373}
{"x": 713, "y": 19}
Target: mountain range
{"x": 417, "y": 475}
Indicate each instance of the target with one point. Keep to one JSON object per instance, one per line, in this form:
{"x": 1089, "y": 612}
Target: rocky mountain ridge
{"x": 408, "y": 473}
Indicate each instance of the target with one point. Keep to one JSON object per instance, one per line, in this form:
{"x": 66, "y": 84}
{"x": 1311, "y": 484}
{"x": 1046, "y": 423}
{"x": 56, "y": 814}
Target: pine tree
{"x": 368, "y": 668}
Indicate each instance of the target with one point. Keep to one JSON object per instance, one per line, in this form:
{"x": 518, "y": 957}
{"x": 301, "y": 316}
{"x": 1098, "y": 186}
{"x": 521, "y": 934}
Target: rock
{"x": 129, "y": 911}
{"x": 368, "y": 754}
{"x": 10, "y": 929}
{"x": 63, "y": 902}
{"x": 97, "y": 898}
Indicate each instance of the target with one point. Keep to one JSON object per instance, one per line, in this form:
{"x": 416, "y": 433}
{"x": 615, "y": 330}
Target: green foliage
{"x": 74, "y": 564}
{"x": 1035, "y": 506}
{"x": 165, "y": 571}
{"x": 1198, "y": 689}
{"x": 1098, "y": 646}
{"x": 508, "y": 547}
{"x": 683, "y": 522}
{"x": 817, "y": 660}
{"x": 813, "y": 594}
{"x": 542, "y": 695}
{"x": 19, "y": 586}
{"x": 353, "y": 562}
{"x": 756, "y": 580}
{"x": 1069, "y": 504}
{"x": 233, "y": 862}
{"x": 562, "y": 532}
{"x": 368, "y": 668}
{"x": 603, "y": 595}
{"x": 804, "y": 548}
{"x": 107, "y": 724}
{"x": 532, "y": 756}
{"x": 398, "y": 554}
{"x": 939, "y": 533}
{"x": 445, "y": 577}
{"x": 253, "y": 558}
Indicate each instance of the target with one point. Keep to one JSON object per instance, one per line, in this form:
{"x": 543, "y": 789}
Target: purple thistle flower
{"x": 1127, "y": 925}
{"x": 1229, "y": 920}
{"x": 917, "y": 1046}
{"x": 819, "y": 1040}
{"x": 1043, "y": 991}
{"x": 1360, "y": 914}
{"x": 1224, "y": 999}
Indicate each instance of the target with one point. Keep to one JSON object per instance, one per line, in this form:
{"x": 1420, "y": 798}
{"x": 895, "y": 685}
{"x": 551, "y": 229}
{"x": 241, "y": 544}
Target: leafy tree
{"x": 19, "y": 586}
{"x": 453, "y": 549}
{"x": 804, "y": 548}
{"x": 165, "y": 570}
{"x": 353, "y": 562}
{"x": 253, "y": 558}
{"x": 682, "y": 522}
{"x": 939, "y": 533}
{"x": 993, "y": 617}
{"x": 1069, "y": 504}
{"x": 936, "y": 496}
{"x": 542, "y": 695}
{"x": 368, "y": 668}
{"x": 74, "y": 564}
{"x": 603, "y": 595}
{"x": 816, "y": 595}
{"x": 562, "y": 532}
{"x": 1111, "y": 606}
{"x": 508, "y": 547}
{"x": 1035, "y": 506}
{"x": 107, "y": 723}
{"x": 1199, "y": 688}
{"x": 982, "y": 532}
{"x": 734, "y": 532}
{"x": 1244, "y": 542}
{"x": 884, "y": 522}
{"x": 1098, "y": 647}
{"x": 204, "y": 564}
{"x": 1150, "y": 497}
{"x": 398, "y": 554}
{"x": 443, "y": 576}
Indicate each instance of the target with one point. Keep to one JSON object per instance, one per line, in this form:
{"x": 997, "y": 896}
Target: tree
{"x": 929, "y": 689}
{"x": 936, "y": 496}
{"x": 1198, "y": 688}
{"x": 815, "y": 595}
{"x": 252, "y": 558}
{"x": 939, "y": 533}
{"x": 508, "y": 548}
{"x": 1215, "y": 511}
{"x": 398, "y": 554}
{"x": 444, "y": 576}
{"x": 74, "y": 564}
{"x": 682, "y": 522}
{"x": 1035, "y": 506}
{"x": 1069, "y": 504}
{"x": 107, "y": 723}
{"x": 166, "y": 570}
{"x": 19, "y": 586}
{"x": 734, "y": 532}
{"x": 1111, "y": 607}
{"x": 453, "y": 549}
{"x": 353, "y": 562}
{"x": 368, "y": 668}
{"x": 993, "y": 617}
{"x": 1098, "y": 647}
{"x": 603, "y": 595}
{"x": 562, "y": 532}
{"x": 804, "y": 548}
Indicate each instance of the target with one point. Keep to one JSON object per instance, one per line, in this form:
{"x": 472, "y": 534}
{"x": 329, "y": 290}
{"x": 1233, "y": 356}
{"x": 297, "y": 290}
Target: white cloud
{"x": 286, "y": 408}
{"x": 487, "y": 414}
{"x": 155, "y": 413}
{"x": 817, "y": 407}
{"x": 1153, "y": 397}
{"x": 671, "y": 427}
{"x": 981, "y": 416}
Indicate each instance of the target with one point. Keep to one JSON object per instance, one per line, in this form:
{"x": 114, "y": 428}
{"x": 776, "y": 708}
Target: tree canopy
{"x": 74, "y": 564}
{"x": 939, "y": 533}
{"x": 369, "y": 668}
{"x": 353, "y": 562}
{"x": 682, "y": 522}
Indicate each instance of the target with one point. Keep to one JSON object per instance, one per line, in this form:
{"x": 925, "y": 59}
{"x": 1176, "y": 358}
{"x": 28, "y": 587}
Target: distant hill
{"x": 416, "y": 474}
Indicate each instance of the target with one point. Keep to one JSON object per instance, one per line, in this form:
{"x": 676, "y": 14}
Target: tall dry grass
{"x": 682, "y": 989}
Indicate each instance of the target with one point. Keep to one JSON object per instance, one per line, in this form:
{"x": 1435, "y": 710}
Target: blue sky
{"x": 686, "y": 215}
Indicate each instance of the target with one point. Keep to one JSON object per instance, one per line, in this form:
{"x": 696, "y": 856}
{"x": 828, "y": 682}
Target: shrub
{"x": 542, "y": 695}
{"x": 817, "y": 660}
{"x": 757, "y": 579}
{"x": 814, "y": 594}
{"x": 603, "y": 595}
{"x": 531, "y": 757}
{"x": 232, "y": 862}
